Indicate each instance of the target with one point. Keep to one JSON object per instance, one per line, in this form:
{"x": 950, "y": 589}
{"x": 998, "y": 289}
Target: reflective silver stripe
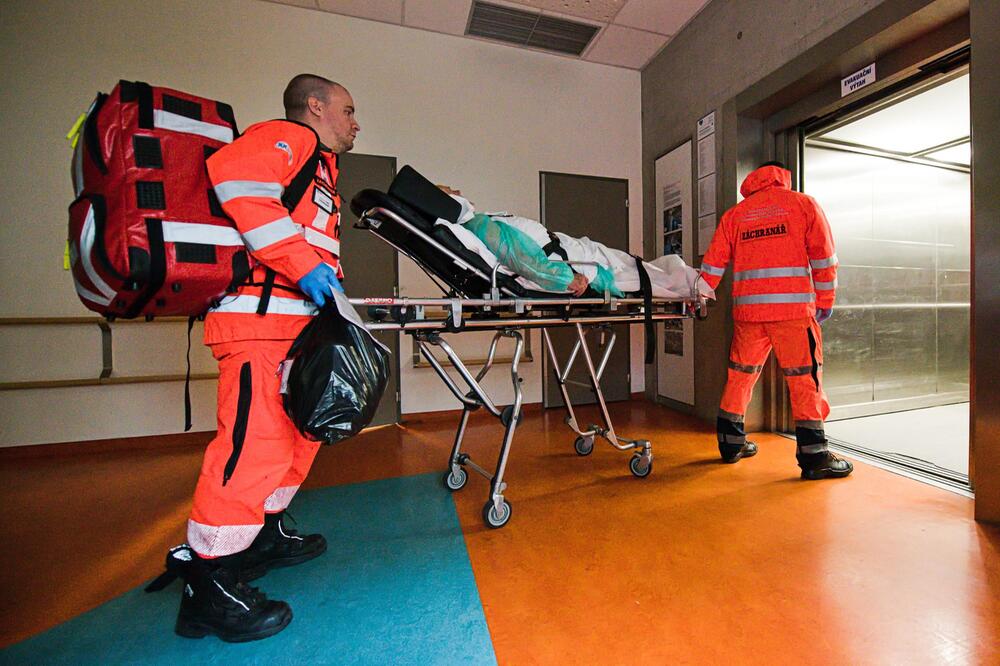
{"x": 775, "y": 298}
{"x": 87, "y": 238}
{"x": 813, "y": 448}
{"x": 172, "y": 121}
{"x": 280, "y": 499}
{"x": 732, "y": 439}
{"x": 712, "y": 270}
{"x": 270, "y": 233}
{"x": 218, "y": 541}
{"x": 232, "y": 189}
{"x": 824, "y": 263}
{"x": 246, "y": 304}
{"x": 825, "y": 286}
{"x": 797, "y": 372}
{"x": 749, "y": 369}
{"x": 321, "y": 219}
{"x": 788, "y": 271}
{"x": 89, "y": 295}
{"x": 730, "y": 416}
{"x": 206, "y": 234}
{"x": 812, "y": 425}
{"x": 319, "y": 239}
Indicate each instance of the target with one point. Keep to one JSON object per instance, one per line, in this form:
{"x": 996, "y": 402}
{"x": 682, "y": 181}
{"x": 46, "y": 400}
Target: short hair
{"x": 773, "y": 163}
{"x": 301, "y": 88}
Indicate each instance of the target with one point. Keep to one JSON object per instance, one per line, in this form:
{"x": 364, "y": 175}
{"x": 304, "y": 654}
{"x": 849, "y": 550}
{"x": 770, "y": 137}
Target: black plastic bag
{"x": 337, "y": 375}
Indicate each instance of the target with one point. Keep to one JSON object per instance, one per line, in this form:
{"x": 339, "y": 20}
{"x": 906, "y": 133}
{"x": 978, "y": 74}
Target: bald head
{"x": 300, "y": 89}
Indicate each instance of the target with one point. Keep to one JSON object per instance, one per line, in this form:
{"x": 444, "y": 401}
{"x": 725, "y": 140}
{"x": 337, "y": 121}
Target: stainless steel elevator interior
{"x": 894, "y": 180}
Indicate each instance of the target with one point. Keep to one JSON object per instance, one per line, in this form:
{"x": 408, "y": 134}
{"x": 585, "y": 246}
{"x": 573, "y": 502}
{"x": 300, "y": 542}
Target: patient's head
{"x": 468, "y": 207}
{"x": 324, "y": 105}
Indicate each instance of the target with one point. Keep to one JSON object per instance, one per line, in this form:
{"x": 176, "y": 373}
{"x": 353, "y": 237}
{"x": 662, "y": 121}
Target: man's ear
{"x": 315, "y": 105}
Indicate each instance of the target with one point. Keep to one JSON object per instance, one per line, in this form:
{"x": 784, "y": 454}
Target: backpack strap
{"x": 290, "y": 199}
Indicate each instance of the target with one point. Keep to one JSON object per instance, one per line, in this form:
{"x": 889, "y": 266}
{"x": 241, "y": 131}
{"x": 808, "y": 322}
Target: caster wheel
{"x": 455, "y": 480}
{"x": 493, "y": 518}
{"x": 639, "y": 467}
{"x": 584, "y": 446}
{"x": 507, "y": 412}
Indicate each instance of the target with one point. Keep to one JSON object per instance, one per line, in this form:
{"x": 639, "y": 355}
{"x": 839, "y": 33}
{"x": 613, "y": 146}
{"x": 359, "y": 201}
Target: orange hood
{"x": 764, "y": 177}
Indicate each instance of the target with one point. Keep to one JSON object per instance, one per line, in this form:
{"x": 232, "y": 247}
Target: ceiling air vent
{"x": 529, "y": 29}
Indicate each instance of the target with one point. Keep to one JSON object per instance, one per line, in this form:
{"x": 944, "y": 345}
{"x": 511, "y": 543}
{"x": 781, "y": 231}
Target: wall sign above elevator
{"x": 858, "y": 80}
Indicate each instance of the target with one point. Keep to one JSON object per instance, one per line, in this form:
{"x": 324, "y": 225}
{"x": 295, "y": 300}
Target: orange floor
{"x": 699, "y": 563}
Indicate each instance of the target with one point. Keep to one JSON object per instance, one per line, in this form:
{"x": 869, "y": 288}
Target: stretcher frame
{"x": 508, "y": 315}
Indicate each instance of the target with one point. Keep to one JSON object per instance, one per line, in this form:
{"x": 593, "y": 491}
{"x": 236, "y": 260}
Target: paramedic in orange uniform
{"x": 258, "y": 460}
{"x": 784, "y": 281}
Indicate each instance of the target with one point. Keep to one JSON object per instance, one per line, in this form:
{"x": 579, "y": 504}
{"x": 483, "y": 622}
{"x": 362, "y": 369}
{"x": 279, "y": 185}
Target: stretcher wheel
{"x": 639, "y": 466}
{"x": 506, "y": 414}
{"x": 584, "y": 446}
{"x": 492, "y": 517}
{"x": 455, "y": 480}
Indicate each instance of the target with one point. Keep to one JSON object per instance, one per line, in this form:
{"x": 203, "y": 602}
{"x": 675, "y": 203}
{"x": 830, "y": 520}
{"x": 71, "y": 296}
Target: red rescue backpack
{"x": 147, "y": 235}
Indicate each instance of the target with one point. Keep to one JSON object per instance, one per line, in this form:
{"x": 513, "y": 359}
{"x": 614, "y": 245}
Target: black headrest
{"x": 369, "y": 198}
{"x": 422, "y": 194}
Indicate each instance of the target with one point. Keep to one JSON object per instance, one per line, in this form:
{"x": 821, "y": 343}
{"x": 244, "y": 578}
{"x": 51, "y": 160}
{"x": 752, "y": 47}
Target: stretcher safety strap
{"x": 247, "y": 304}
{"x": 647, "y": 305}
{"x": 231, "y": 189}
{"x": 206, "y": 234}
{"x": 780, "y": 272}
{"x": 270, "y": 233}
{"x": 824, "y": 263}
{"x": 177, "y": 123}
{"x": 756, "y": 299}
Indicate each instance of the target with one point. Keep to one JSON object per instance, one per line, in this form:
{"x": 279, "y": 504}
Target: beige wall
{"x": 484, "y": 117}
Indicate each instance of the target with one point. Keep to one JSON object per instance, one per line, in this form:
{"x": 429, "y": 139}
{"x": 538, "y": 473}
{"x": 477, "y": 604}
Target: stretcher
{"x": 478, "y": 297}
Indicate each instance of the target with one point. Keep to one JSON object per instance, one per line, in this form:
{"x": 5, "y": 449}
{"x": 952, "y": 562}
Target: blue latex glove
{"x": 320, "y": 283}
{"x": 822, "y": 314}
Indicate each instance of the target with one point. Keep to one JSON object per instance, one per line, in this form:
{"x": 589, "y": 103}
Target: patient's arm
{"x": 518, "y": 252}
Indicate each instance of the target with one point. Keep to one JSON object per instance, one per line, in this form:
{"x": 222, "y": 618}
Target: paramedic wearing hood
{"x": 784, "y": 280}
{"x": 257, "y": 460}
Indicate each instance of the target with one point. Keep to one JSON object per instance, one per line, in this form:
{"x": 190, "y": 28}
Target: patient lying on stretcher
{"x": 547, "y": 261}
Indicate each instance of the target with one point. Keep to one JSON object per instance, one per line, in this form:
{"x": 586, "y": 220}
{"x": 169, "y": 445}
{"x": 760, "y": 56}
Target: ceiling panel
{"x": 929, "y": 119}
{"x": 625, "y": 47}
{"x": 662, "y": 16}
{"x": 449, "y": 16}
{"x": 595, "y": 10}
{"x": 388, "y": 11}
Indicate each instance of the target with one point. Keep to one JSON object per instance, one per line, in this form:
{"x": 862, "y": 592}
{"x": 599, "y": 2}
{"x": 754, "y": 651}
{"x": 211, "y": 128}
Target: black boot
{"x": 215, "y": 601}
{"x": 277, "y": 545}
{"x": 823, "y": 466}
{"x": 733, "y": 443}
{"x": 815, "y": 460}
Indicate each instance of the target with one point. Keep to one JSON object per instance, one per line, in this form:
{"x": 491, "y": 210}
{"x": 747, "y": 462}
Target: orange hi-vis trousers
{"x": 798, "y": 344}
{"x": 257, "y": 460}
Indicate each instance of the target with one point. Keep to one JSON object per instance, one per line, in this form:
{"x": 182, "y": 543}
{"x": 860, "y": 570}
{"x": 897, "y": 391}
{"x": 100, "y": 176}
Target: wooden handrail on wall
{"x": 107, "y": 357}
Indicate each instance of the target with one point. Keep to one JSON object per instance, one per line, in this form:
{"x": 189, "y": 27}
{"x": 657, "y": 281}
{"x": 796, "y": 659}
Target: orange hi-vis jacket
{"x": 781, "y": 249}
{"x": 249, "y": 177}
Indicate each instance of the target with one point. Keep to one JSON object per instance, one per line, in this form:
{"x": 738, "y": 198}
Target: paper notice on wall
{"x": 706, "y": 229}
{"x": 706, "y": 126}
{"x": 706, "y": 195}
{"x": 706, "y": 156}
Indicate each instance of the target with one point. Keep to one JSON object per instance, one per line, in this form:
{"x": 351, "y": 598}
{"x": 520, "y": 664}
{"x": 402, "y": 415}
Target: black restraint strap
{"x": 91, "y": 138}
{"x": 647, "y": 304}
{"x": 555, "y": 247}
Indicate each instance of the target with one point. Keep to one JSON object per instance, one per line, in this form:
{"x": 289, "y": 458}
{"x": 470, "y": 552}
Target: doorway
{"x": 597, "y": 208}
{"x": 894, "y": 181}
{"x": 370, "y": 266}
